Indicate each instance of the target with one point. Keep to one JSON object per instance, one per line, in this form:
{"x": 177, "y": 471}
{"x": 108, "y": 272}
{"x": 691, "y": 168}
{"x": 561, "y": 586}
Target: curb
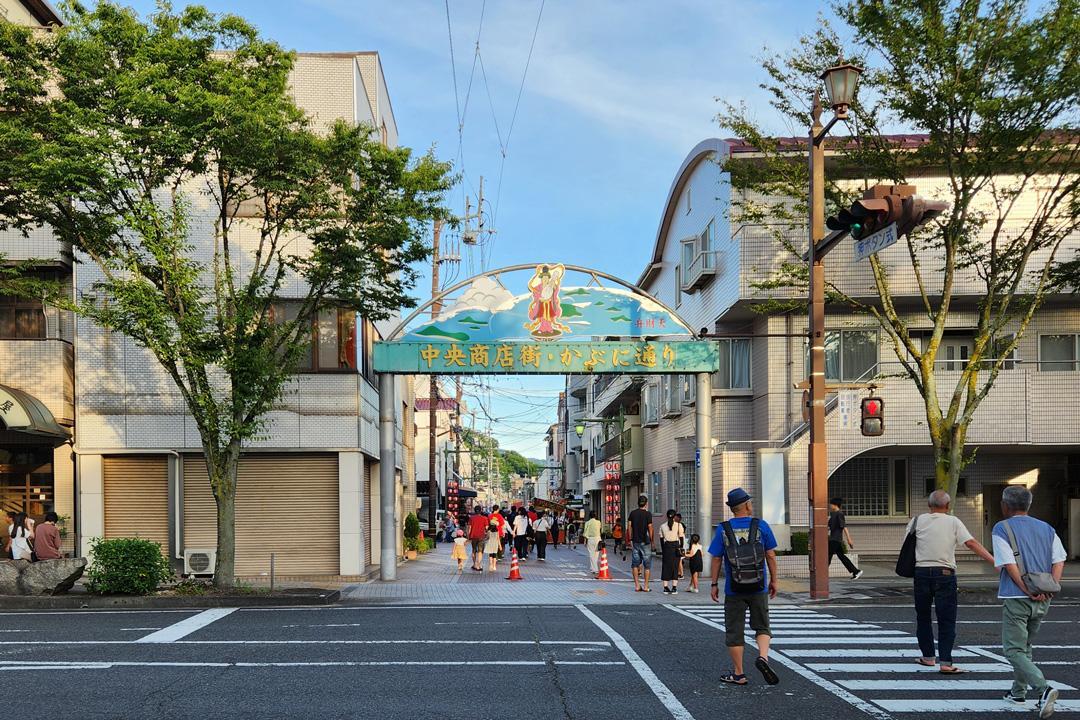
{"x": 314, "y": 598}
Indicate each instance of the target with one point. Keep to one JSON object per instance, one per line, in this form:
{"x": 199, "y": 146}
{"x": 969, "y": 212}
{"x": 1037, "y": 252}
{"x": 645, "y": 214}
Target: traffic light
{"x": 873, "y": 417}
{"x": 880, "y": 206}
{"x": 917, "y": 211}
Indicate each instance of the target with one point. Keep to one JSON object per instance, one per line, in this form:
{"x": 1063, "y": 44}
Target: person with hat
{"x": 745, "y": 545}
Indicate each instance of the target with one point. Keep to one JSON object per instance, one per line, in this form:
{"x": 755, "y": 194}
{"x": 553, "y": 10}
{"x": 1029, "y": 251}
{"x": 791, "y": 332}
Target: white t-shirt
{"x": 937, "y": 536}
{"x": 672, "y": 534}
{"x": 20, "y": 546}
{"x": 521, "y": 524}
{"x": 542, "y": 525}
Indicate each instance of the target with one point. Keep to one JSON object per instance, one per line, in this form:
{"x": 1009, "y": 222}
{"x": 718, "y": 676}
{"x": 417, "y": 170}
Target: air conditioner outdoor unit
{"x": 199, "y": 562}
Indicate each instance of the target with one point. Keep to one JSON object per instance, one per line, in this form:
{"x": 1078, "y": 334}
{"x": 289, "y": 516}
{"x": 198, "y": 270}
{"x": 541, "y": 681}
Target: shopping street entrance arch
{"x": 527, "y": 319}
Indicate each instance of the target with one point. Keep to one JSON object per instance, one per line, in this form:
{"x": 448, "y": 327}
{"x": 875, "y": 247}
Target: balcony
{"x": 632, "y": 448}
{"x": 614, "y": 391}
{"x": 700, "y": 272}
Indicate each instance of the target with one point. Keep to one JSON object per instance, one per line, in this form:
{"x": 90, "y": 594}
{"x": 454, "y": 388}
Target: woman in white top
{"x": 20, "y": 538}
{"x": 521, "y": 534}
{"x": 671, "y": 535}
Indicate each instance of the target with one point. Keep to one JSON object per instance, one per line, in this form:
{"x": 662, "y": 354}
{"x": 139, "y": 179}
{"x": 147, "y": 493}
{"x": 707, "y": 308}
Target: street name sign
{"x": 877, "y": 242}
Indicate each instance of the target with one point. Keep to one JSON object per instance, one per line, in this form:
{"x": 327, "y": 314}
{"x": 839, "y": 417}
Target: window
{"x": 332, "y": 345}
{"x": 671, "y": 491}
{"x": 930, "y": 485}
{"x": 670, "y": 391}
{"x": 705, "y": 244}
{"x": 687, "y": 504}
{"x": 872, "y": 486}
{"x": 953, "y": 352}
{"x": 21, "y": 318}
{"x": 650, "y": 403}
{"x": 689, "y": 389}
{"x": 734, "y": 372}
{"x": 1057, "y": 353}
{"x": 998, "y": 347}
{"x": 850, "y": 355}
{"x": 688, "y": 254}
{"x": 678, "y": 285}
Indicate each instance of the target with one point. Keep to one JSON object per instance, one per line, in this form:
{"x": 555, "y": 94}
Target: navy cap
{"x": 737, "y": 497}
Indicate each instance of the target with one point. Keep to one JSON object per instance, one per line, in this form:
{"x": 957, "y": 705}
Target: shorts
{"x": 477, "y": 546}
{"x": 641, "y": 555}
{"x": 735, "y": 607}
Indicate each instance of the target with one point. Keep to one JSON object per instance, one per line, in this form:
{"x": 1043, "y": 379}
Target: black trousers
{"x": 835, "y": 548}
{"x": 521, "y": 544}
{"x": 541, "y": 545}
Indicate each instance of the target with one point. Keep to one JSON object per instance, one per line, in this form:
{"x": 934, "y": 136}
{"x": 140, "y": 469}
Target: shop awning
{"x": 24, "y": 413}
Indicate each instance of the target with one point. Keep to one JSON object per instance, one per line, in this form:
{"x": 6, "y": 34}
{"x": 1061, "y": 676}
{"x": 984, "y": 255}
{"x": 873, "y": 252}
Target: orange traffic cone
{"x": 515, "y": 572}
{"x": 605, "y": 574}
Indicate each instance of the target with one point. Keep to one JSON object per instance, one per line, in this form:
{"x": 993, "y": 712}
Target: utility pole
{"x": 433, "y": 390}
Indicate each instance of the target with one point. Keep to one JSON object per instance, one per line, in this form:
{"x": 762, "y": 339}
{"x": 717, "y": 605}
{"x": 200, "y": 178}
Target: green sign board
{"x": 546, "y": 358}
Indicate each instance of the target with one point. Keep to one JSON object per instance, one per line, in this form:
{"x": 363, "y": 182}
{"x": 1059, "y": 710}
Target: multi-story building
{"x": 37, "y": 361}
{"x": 138, "y": 468}
{"x": 450, "y": 453}
{"x": 707, "y": 264}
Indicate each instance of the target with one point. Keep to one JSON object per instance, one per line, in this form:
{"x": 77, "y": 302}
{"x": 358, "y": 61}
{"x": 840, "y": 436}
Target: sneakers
{"x": 674, "y": 591}
{"x": 1045, "y": 706}
{"x": 1011, "y": 699}
{"x": 693, "y": 590}
{"x": 856, "y": 575}
{"x": 667, "y": 590}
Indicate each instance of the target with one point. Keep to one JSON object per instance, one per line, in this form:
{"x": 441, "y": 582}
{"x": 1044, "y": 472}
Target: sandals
{"x": 733, "y": 679}
{"x": 951, "y": 670}
{"x": 920, "y": 661}
{"x": 766, "y": 671}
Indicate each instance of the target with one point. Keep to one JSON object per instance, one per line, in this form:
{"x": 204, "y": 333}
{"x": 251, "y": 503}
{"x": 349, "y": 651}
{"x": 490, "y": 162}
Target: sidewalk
{"x": 564, "y": 579}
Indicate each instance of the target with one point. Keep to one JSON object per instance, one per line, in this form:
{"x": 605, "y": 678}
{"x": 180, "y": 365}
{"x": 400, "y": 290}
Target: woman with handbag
{"x": 671, "y": 534}
{"x": 20, "y": 538}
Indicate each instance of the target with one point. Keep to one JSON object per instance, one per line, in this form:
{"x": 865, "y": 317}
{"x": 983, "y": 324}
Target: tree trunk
{"x": 949, "y": 461}
{"x": 223, "y": 484}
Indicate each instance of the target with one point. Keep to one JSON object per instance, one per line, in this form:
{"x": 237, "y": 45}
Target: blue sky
{"x": 617, "y": 92}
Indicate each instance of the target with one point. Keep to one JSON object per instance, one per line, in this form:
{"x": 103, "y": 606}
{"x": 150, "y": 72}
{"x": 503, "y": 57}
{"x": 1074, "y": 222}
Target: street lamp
{"x": 840, "y": 82}
{"x": 579, "y": 428}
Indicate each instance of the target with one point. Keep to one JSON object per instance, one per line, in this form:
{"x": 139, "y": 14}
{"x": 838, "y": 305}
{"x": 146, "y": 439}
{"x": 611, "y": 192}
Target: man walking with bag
{"x": 937, "y": 535}
{"x": 746, "y": 545}
{"x": 1031, "y": 559}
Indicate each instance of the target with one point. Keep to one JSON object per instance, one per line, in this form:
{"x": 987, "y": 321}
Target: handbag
{"x": 905, "y": 562}
{"x": 1037, "y": 583}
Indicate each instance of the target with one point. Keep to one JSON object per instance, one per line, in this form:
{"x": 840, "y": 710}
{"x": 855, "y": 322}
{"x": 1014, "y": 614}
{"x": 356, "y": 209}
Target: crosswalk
{"x": 873, "y": 667}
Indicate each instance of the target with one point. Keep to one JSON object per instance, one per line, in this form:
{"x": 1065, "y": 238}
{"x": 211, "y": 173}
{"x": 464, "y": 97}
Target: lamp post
{"x": 840, "y": 84}
{"x": 579, "y": 428}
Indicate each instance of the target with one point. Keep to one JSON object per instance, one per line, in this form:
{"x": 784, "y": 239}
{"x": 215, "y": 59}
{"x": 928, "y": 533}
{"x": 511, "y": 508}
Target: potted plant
{"x": 412, "y": 536}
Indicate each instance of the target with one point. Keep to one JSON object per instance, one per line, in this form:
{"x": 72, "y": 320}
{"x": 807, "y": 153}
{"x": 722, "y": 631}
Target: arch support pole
{"x": 387, "y": 485}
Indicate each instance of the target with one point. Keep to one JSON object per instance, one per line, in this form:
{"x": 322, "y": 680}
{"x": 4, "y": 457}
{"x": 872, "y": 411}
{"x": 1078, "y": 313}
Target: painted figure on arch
{"x": 545, "y": 308}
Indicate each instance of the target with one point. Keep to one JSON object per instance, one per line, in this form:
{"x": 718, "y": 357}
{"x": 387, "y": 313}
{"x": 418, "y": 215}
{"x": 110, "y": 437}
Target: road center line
{"x": 662, "y": 692}
{"x": 850, "y": 698}
{"x": 185, "y": 627}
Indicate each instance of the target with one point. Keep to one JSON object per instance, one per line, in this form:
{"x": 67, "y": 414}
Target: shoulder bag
{"x": 1037, "y": 583}
{"x": 905, "y": 562}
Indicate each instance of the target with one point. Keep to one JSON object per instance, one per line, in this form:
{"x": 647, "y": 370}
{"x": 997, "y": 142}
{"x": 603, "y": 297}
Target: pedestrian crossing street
{"x": 873, "y": 667}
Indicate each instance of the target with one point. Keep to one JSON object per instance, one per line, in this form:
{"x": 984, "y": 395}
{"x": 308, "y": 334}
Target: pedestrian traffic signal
{"x": 873, "y": 417}
{"x": 880, "y": 206}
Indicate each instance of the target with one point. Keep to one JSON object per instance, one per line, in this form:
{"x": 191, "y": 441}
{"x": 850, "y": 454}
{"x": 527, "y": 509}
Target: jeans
{"x": 937, "y": 587}
{"x": 836, "y": 548}
{"x": 1020, "y": 620}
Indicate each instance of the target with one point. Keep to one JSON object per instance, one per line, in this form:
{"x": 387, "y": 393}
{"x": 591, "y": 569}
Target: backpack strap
{"x": 731, "y": 544}
{"x": 753, "y": 536}
{"x": 1015, "y": 548}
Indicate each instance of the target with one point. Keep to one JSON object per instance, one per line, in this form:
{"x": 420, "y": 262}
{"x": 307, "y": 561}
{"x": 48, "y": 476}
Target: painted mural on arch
{"x": 487, "y": 311}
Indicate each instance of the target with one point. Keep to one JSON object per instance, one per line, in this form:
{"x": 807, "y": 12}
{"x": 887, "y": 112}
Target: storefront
{"x": 32, "y": 444}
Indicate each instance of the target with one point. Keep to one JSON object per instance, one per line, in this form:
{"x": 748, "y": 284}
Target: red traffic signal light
{"x": 873, "y": 417}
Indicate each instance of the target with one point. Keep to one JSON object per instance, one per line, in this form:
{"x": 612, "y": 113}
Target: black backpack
{"x": 746, "y": 559}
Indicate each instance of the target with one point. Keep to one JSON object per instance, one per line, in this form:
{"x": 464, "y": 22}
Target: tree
{"x": 171, "y": 154}
{"x": 994, "y": 87}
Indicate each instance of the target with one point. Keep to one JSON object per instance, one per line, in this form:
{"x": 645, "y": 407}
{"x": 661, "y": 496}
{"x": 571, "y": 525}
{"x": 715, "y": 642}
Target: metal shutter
{"x": 286, "y": 504}
{"x": 366, "y": 531}
{"x": 136, "y": 498}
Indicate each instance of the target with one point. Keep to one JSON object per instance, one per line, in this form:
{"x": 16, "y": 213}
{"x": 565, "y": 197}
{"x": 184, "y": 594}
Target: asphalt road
{"x": 526, "y": 662}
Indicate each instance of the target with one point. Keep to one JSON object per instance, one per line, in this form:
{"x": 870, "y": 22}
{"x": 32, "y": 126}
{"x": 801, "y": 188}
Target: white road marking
{"x": 851, "y": 640}
{"x": 859, "y": 652}
{"x": 142, "y": 629}
{"x": 927, "y": 685}
{"x": 787, "y": 662}
{"x": 105, "y": 665}
{"x": 602, "y": 643}
{"x": 955, "y": 705}
{"x": 185, "y": 627}
{"x": 662, "y": 692}
{"x": 851, "y": 632}
{"x": 908, "y": 667}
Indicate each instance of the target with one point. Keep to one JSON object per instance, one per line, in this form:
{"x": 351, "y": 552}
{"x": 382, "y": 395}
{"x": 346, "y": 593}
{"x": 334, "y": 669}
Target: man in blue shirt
{"x": 1023, "y": 609}
{"x": 739, "y": 600}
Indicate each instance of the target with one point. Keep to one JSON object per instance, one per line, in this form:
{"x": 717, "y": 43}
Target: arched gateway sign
{"x": 540, "y": 324}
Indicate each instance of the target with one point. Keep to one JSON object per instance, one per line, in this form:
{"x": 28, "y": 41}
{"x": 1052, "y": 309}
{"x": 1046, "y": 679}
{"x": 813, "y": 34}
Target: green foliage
{"x": 189, "y": 587}
{"x": 994, "y": 86}
{"x": 800, "y": 543}
{"x": 126, "y": 566}
{"x": 183, "y": 160}
{"x": 429, "y": 545}
{"x": 503, "y": 463}
{"x": 412, "y": 527}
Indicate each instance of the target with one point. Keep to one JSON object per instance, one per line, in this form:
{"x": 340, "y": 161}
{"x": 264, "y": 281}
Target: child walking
{"x": 492, "y": 545}
{"x": 694, "y": 554}
{"x": 459, "y": 549}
